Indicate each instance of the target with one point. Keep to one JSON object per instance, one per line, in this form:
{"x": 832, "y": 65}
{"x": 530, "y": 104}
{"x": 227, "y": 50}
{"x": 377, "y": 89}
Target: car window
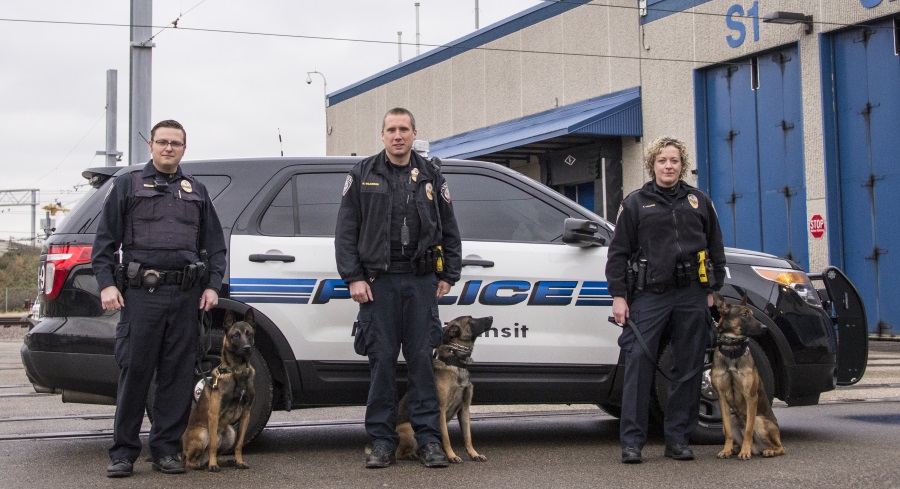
{"x": 318, "y": 201}
{"x": 492, "y": 210}
{"x": 278, "y": 219}
{"x": 307, "y": 205}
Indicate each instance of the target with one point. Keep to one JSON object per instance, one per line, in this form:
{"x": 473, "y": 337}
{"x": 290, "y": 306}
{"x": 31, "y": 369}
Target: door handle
{"x": 259, "y": 258}
{"x": 478, "y": 263}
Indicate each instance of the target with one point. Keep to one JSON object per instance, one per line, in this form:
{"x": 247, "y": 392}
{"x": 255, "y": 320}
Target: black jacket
{"x": 362, "y": 237}
{"x": 184, "y": 207}
{"x": 665, "y": 233}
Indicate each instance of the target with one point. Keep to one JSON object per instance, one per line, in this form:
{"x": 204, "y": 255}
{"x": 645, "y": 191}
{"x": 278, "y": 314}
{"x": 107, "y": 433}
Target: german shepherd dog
{"x": 747, "y": 417}
{"x": 454, "y": 390}
{"x": 226, "y": 399}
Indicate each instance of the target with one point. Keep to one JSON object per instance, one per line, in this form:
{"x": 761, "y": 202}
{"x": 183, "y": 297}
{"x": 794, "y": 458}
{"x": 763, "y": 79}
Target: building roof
{"x": 614, "y": 114}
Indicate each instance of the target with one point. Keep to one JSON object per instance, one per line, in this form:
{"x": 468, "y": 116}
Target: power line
{"x": 445, "y": 46}
{"x": 45, "y": 175}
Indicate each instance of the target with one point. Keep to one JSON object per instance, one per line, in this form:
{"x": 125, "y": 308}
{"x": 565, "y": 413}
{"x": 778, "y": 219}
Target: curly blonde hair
{"x": 657, "y": 146}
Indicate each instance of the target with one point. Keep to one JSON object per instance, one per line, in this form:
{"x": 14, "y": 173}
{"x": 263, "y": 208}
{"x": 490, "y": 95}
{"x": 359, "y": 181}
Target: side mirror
{"x": 582, "y": 233}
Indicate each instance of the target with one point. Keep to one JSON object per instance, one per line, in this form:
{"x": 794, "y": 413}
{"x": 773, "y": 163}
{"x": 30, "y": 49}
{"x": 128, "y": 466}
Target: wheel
{"x": 262, "y": 403}
{"x": 709, "y": 424}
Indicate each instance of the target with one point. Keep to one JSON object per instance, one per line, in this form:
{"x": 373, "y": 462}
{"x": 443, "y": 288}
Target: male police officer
{"x": 670, "y": 232}
{"x": 397, "y": 245}
{"x": 165, "y": 222}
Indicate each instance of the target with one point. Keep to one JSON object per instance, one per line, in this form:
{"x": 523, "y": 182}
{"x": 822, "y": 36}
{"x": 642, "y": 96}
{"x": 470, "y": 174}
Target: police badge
{"x": 693, "y": 200}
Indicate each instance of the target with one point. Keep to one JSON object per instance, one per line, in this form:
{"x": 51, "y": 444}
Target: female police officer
{"x": 670, "y": 229}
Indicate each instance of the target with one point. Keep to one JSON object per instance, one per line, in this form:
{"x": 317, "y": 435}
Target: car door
{"x": 549, "y": 300}
{"x": 282, "y": 263}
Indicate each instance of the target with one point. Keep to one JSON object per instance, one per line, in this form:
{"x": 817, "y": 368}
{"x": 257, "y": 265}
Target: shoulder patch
{"x": 111, "y": 185}
{"x": 347, "y": 183}
{"x": 445, "y": 192}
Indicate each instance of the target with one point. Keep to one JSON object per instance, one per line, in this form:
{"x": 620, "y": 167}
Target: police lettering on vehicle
{"x": 496, "y": 293}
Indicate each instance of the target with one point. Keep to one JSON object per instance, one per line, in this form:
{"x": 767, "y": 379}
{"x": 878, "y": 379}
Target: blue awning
{"x": 615, "y": 114}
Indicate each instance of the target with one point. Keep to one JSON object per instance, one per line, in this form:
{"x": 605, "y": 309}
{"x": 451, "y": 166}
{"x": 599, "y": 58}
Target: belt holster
{"x": 683, "y": 272}
{"x": 133, "y": 275}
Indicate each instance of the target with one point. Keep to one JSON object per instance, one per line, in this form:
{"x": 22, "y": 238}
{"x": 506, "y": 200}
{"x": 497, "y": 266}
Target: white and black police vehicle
{"x": 532, "y": 259}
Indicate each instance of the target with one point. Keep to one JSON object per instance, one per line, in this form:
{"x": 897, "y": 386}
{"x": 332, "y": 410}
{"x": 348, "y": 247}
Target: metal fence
{"x": 18, "y": 300}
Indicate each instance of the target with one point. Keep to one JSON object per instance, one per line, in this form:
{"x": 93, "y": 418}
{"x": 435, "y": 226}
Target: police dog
{"x": 226, "y": 399}
{"x": 451, "y": 376}
{"x": 747, "y": 417}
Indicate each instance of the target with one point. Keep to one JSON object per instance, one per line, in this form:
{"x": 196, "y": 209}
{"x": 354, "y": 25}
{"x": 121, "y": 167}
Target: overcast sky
{"x": 232, "y": 91}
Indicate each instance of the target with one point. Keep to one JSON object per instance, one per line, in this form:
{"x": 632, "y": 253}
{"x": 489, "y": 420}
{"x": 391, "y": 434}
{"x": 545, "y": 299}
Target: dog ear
{"x": 229, "y": 320}
{"x": 744, "y": 300}
{"x": 720, "y": 303}
{"x": 250, "y": 318}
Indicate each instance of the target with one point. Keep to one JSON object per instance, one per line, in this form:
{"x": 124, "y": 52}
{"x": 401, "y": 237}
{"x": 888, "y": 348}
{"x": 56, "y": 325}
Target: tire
{"x": 262, "y": 403}
{"x": 709, "y": 424}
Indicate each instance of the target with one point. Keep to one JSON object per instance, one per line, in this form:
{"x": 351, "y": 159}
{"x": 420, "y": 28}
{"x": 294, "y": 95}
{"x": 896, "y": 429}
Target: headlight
{"x": 794, "y": 279}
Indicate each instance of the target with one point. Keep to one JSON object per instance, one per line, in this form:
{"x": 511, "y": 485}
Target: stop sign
{"x": 817, "y": 226}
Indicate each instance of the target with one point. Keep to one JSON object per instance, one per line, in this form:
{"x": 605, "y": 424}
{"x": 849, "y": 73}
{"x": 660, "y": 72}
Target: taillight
{"x": 60, "y": 260}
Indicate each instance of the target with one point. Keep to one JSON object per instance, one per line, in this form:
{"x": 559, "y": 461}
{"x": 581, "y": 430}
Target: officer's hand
{"x": 360, "y": 291}
{"x": 620, "y": 309}
{"x": 442, "y": 289}
{"x": 710, "y": 300}
{"x": 209, "y": 299}
{"x": 111, "y": 298}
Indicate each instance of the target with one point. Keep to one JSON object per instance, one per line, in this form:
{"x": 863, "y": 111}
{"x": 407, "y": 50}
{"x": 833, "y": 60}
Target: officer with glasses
{"x": 173, "y": 260}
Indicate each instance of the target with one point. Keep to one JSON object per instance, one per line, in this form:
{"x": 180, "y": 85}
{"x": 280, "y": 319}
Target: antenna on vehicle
{"x": 279, "y": 141}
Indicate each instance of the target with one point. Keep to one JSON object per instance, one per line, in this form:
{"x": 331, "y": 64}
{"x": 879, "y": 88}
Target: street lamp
{"x": 325, "y": 94}
{"x": 324, "y": 83}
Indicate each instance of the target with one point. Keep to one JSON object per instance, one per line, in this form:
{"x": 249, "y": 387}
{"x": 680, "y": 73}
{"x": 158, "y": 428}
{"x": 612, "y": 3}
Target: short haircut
{"x": 656, "y": 148}
{"x": 170, "y": 124}
{"x": 399, "y": 111}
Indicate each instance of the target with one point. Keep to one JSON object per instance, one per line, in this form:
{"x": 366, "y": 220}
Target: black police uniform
{"x": 378, "y": 198}
{"x": 667, "y": 226}
{"x": 162, "y": 223}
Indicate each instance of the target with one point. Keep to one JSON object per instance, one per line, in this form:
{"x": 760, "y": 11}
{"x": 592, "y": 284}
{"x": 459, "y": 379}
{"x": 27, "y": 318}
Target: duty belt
{"x": 163, "y": 277}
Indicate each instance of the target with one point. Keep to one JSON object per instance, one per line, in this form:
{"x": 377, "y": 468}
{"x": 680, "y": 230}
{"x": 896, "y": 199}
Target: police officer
{"x": 663, "y": 227}
{"x": 162, "y": 218}
{"x": 397, "y": 245}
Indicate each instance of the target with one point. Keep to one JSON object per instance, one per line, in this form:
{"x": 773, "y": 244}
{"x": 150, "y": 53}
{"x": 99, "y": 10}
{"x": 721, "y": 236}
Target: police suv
{"x": 532, "y": 259}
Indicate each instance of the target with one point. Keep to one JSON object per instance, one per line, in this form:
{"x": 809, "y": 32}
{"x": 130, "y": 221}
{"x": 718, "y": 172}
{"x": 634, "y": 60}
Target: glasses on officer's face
{"x": 162, "y": 143}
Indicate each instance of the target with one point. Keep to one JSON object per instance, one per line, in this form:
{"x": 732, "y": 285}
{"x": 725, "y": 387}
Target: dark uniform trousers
{"x": 404, "y": 310}
{"x": 158, "y": 333}
{"x": 685, "y": 310}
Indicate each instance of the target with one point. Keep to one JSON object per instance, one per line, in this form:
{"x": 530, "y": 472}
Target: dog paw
{"x": 744, "y": 455}
{"x": 455, "y": 459}
{"x": 213, "y": 468}
{"x": 725, "y": 454}
{"x": 241, "y": 465}
{"x": 478, "y": 458}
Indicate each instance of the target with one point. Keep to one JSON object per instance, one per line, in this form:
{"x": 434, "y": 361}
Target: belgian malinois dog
{"x": 454, "y": 390}
{"x": 225, "y": 400}
{"x": 747, "y": 417}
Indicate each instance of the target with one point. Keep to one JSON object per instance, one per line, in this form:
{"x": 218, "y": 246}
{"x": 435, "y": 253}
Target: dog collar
{"x": 458, "y": 347}
{"x": 732, "y": 347}
{"x": 455, "y": 362}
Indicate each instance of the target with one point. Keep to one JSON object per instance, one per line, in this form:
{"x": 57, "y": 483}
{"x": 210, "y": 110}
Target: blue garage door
{"x": 754, "y": 144}
{"x": 867, "y": 93}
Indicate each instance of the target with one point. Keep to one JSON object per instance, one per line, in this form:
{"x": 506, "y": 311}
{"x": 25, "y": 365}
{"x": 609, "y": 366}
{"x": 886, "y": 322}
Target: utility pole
{"x": 112, "y": 107}
{"x": 476, "y": 15}
{"x": 141, "y": 80}
{"x": 417, "y": 28}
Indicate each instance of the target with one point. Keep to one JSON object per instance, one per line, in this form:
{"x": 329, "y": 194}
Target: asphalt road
{"x": 850, "y": 440}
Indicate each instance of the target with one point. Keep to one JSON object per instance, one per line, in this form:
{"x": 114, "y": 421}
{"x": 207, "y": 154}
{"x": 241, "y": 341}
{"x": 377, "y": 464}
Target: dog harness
{"x": 731, "y": 346}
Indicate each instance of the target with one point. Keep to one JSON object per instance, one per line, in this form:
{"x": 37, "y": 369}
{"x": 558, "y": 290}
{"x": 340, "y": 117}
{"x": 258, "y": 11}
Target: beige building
{"x": 791, "y": 108}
